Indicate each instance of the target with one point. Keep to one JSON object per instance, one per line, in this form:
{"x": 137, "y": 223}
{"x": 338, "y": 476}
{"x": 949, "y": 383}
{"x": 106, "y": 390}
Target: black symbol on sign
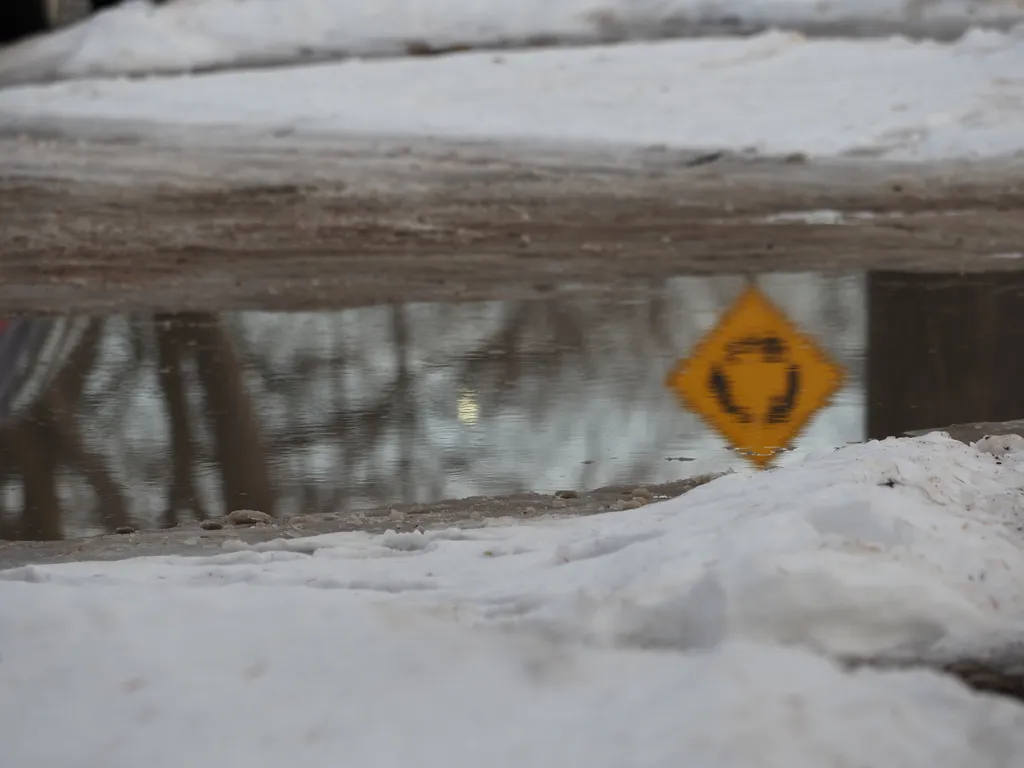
{"x": 772, "y": 350}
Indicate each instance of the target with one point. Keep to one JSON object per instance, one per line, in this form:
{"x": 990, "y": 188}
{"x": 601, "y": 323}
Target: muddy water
{"x": 151, "y": 420}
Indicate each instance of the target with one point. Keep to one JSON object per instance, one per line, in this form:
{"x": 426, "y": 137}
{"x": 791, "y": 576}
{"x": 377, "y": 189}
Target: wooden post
{"x": 943, "y": 349}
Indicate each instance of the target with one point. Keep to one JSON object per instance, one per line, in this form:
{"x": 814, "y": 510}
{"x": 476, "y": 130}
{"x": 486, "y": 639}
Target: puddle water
{"x": 151, "y": 420}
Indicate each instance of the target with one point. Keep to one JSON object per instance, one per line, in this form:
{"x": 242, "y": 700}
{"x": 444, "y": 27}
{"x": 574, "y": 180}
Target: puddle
{"x": 145, "y": 420}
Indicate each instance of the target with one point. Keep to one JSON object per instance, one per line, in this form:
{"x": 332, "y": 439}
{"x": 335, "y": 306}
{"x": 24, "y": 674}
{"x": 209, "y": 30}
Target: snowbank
{"x": 775, "y": 93}
{"x": 898, "y": 547}
{"x": 140, "y": 37}
{"x": 685, "y": 630}
{"x": 124, "y": 677}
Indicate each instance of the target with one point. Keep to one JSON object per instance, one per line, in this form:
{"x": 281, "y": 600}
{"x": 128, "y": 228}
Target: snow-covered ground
{"x": 142, "y": 37}
{"x": 696, "y": 631}
{"x": 773, "y": 93}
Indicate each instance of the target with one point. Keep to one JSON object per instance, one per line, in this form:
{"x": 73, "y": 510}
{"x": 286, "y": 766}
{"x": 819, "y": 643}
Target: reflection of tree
{"x": 239, "y": 451}
{"x": 529, "y": 368}
{"x": 381, "y": 443}
{"x": 45, "y": 450}
{"x": 238, "y": 448}
{"x": 362, "y": 430}
{"x": 48, "y": 439}
{"x": 33, "y": 442}
{"x": 58, "y": 405}
{"x": 198, "y": 414}
{"x": 171, "y": 374}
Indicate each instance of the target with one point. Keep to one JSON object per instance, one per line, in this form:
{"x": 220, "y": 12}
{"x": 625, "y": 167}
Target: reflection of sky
{"x": 585, "y": 404}
{"x": 625, "y": 421}
{"x": 611, "y": 408}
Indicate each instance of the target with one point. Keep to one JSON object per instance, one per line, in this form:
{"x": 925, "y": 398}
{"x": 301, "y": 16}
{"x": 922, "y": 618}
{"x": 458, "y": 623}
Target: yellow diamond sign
{"x": 756, "y": 378}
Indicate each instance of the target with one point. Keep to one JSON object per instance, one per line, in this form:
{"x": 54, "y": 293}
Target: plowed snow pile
{"x": 696, "y": 630}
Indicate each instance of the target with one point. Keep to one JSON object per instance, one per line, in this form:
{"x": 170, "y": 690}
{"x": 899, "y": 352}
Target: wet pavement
{"x": 151, "y": 421}
{"x": 213, "y": 222}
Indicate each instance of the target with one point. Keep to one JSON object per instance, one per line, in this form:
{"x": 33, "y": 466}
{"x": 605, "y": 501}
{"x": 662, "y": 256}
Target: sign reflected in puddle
{"x": 150, "y": 420}
{"x": 756, "y": 378}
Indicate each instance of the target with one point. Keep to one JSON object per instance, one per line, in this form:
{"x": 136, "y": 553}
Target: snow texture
{"x": 142, "y": 37}
{"x": 694, "y": 630}
{"x": 776, "y": 93}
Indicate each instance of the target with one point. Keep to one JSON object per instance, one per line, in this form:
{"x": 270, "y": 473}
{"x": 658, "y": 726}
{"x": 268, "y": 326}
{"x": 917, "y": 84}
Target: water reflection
{"x": 943, "y": 350}
{"x": 152, "y": 420}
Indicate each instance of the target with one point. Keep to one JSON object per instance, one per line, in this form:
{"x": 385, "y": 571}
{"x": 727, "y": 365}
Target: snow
{"x": 237, "y": 677}
{"x": 773, "y": 93}
{"x": 142, "y": 37}
{"x": 876, "y": 548}
{"x": 699, "y": 628}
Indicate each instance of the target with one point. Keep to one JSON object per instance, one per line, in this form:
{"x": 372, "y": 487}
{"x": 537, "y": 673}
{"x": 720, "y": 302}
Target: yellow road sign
{"x": 756, "y": 378}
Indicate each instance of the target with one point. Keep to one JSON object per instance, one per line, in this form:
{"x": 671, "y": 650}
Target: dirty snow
{"x": 142, "y": 37}
{"x": 697, "y": 628}
{"x": 774, "y": 93}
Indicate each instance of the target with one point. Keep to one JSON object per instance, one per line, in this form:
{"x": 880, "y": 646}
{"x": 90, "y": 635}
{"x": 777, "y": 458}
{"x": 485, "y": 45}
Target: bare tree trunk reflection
{"x": 8, "y": 460}
{"x": 408, "y": 413}
{"x": 171, "y": 374}
{"x": 35, "y": 447}
{"x": 238, "y": 444}
{"x": 60, "y": 403}
{"x": 49, "y": 437}
{"x": 112, "y": 511}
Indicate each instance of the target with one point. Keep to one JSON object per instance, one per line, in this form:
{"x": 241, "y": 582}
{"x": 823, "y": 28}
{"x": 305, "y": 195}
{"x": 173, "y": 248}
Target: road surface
{"x": 178, "y": 223}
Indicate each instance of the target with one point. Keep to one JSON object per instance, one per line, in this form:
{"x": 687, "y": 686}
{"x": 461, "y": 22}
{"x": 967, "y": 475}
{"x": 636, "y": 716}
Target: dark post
{"x": 944, "y": 349}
